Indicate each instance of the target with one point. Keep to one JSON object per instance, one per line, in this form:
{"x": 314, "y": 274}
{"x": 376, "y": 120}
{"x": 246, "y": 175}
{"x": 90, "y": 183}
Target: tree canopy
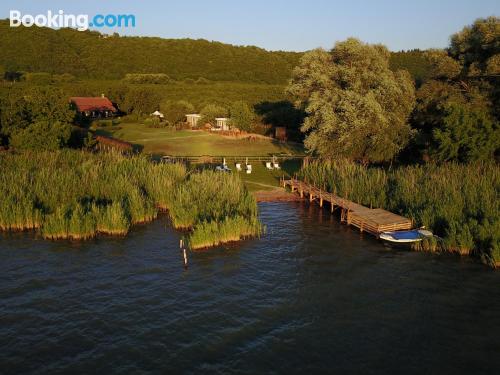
{"x": 356, "y": 106}
{"x": 67, "y": 53}
{"x": 36, "y": 118}
{"x": 477, "y": 46}
{"x": 241, "y": 115}
{"x": 89, "y": 54}
{"x": 456, "y": 115}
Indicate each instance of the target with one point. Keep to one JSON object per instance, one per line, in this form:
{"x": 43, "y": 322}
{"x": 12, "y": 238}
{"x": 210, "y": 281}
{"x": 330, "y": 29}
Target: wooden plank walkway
{"x": 373, "y": 221}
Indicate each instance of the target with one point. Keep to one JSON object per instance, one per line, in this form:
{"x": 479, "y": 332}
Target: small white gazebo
{"x": 222, "y": 123}
{"x": 157, "y": 114}
{"x": 192, "y": 119}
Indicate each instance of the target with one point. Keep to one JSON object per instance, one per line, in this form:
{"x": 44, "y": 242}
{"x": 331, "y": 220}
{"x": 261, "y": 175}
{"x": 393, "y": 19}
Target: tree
{"x": 442, "y": 66}
{"x": 456, "y": 115}
{"x": 241, "y": 115}
{"x": 454, "y": 122}
{"x": 467, "y": 134}
{"x": 476, "y": 44}
{"x": 356, "y": 106}
{"x": 210, "y": 112}
{"x": 40, "y": 112}
{"x": 41, "y": 135}
{"x": 141, "y": 101}
{"x": 175, "y": 112}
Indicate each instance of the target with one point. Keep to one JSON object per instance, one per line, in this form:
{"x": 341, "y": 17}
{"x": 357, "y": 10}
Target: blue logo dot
{"x": 91, "y": 24}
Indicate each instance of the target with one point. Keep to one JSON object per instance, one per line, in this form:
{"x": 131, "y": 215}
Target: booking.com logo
{"x": 78, "y": 21}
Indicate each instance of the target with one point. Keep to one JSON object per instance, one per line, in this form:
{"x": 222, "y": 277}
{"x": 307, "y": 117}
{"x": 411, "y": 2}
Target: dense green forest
{"x": 92, "y": 55}
{"x": 89, "y": 54}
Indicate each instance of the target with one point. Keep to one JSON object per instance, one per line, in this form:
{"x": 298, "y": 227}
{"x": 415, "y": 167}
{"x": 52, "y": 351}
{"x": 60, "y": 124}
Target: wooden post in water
{"x": 181, "y": 243}
{"x": 185, "y": 258}
{"x": 320, "y": 199}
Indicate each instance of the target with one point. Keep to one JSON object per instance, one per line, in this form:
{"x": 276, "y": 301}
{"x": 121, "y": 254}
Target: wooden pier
{"x": 373, "y": 221}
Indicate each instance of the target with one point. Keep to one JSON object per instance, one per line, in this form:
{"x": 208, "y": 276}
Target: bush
{"x": 41, "y": 135}
{"x": 152, "y": 78}
{"x": 175, "y": 111}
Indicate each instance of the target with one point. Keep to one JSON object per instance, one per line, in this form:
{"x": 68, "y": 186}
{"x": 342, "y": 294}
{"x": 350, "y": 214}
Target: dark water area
{"x": 310, "y": 296}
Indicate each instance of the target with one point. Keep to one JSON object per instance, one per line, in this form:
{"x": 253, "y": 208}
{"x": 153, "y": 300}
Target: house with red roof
{"x": 93, "y": 107}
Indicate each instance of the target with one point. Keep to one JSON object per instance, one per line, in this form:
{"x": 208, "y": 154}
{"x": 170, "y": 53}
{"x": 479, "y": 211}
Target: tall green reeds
{"x": 217, "y": 207}
{"x": 458, "y": 202}
{"x": 75, "y": 194}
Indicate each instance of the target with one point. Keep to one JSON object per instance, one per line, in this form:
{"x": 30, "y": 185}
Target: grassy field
{"x": 264, "y": 179}
{"x": 161, "y": 141}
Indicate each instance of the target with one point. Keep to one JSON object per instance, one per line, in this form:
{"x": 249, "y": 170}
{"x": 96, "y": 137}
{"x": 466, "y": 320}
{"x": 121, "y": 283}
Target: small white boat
{"x": 406, "y": 236}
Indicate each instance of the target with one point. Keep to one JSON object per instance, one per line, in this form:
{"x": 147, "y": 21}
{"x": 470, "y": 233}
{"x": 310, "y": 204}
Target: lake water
{"x": 310, "y": 296}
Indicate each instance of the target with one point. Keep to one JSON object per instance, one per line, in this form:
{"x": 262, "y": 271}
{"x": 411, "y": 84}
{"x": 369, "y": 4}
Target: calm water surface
{"x": 310, "y": 296}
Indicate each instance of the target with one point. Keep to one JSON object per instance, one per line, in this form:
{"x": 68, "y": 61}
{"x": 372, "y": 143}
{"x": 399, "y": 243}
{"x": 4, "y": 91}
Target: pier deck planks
{"x": 374, "y": 221}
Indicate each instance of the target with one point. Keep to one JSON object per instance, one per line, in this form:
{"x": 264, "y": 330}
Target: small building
{"x": 222, "y": 123}
{"x": 93, "y": 107}
{"x": 192, "y": 119}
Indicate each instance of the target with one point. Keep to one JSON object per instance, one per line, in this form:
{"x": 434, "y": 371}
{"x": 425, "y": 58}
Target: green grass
{"x": 161, "y": 141}
{"x": 77, "y": 195}
{"x": 263, "y": 179}
{"x": 458, "y": 202}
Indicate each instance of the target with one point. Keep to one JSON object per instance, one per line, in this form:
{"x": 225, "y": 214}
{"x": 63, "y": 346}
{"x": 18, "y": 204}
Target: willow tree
{"x": 356, "y": 106}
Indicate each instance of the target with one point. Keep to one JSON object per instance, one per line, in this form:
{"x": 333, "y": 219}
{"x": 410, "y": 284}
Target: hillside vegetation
{"x": 88, "y": 54}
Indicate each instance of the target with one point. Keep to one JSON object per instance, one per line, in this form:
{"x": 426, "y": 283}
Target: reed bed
{"x": 217, "y": 207}
{"x": 458, "y": 202}
{"x": 78, "y": 195}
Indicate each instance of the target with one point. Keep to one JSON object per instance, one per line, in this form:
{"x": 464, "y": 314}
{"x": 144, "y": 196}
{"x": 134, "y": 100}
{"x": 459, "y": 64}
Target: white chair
{"x": 276, "y": 166}
{"x": 249, "y": 168}
{"x": 268, "y": 165}
{"x": 238, "y": 167}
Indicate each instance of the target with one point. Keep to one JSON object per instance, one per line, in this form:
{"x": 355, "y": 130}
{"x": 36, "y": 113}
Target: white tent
{"x": 157, "y": 113}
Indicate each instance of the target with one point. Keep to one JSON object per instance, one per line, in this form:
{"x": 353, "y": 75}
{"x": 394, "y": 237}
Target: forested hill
{"x": 88, "y": 54}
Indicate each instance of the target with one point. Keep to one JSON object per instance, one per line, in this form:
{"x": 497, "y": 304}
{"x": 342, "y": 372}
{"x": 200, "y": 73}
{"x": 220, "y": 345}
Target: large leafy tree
{"x": 37, "y": 112}
{"x": 141, "y": 101}
{"x": 456, "y": 115}
{"x": 477, "y": 47}
{"x": 175, "y": 111}
{"x": 356, "y": 106}
{"x": 241, "y": 115}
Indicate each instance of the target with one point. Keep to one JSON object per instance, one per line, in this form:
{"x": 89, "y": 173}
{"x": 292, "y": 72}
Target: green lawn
{"x": 160, "y": 141}
{"x": 264, "y": 179}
